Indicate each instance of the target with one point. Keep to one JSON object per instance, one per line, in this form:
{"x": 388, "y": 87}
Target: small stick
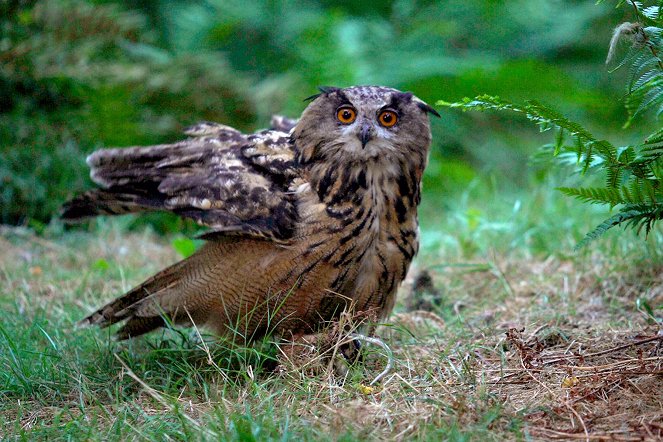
{"x": 610, "y": 350}
{"x": 610, "y": 366}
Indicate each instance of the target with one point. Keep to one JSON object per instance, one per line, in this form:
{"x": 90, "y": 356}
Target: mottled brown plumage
{"x": 306, "y": 219}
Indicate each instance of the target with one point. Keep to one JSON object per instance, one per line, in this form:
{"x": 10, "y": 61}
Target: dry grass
{"x": 507, "y": 348}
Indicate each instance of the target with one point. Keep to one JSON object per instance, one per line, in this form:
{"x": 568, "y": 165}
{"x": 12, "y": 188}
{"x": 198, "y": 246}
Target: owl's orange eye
{"x": 388, "y": 118}
{"x": 346, "y": 115}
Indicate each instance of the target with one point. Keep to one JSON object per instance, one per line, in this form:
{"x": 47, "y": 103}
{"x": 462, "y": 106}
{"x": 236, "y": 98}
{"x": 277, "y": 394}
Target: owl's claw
{"x": 351, "y": 351}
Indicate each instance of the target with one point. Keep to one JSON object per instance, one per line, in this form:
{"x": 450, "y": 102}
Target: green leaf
{"x": 594, "y": 195}
{"x": 184, "y": 246}
{"x": 655, "y": 138}
{"x": 559, "y": 142}
{"x": 633, "y": 172}
{"x": 609, "y": 223}
{"x": 101, "y": 264}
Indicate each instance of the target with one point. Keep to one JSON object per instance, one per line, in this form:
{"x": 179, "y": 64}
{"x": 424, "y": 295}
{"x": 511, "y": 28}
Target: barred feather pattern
{"x": 228, "y": 181}
{"x": 304, "y": 223}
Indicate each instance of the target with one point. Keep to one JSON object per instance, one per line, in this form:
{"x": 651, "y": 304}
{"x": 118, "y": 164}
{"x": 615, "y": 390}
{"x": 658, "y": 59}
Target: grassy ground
{"x": 502, "y": 333}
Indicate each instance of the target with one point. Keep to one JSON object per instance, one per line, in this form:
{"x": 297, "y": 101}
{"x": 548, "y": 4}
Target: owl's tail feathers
{"x": 141, "y": 307}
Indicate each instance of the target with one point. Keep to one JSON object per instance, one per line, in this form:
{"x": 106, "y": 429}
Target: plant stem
{"x": 648, "y": 42}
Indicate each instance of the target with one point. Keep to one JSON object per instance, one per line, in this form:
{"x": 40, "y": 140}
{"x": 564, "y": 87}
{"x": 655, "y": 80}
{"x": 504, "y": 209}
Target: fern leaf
{"x": 656, "y": 137}
{"x": 614, "y": 175}
{"x": 545, "y": 117}
{"x": 647, "y": 216}
{"x": 640, "y": 65}
{"x": 594, "y": 195}
{"x": 559, "y": 142}
{"x": 653, "y": 97}
{"x": 645, "y": 78}
{"x": 634, "y": 173}
{"x": 634, "y": 216}
{"x": 609, "y": 223}
{"x": 651, "y": 12}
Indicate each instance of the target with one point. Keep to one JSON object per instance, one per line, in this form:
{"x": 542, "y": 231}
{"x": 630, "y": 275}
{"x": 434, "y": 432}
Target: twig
{"x": 596, "y": 390}
{"x": 339, "y": 341}
{"x": 610, "y": 350}
{"x": 610, "y": 366}
{"x": 536, "y": 332}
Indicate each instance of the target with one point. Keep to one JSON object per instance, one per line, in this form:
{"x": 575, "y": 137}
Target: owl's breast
{"x": 361, "y": 245}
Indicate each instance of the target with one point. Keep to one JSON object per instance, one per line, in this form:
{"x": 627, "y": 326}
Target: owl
{"x": 304, "y": 220}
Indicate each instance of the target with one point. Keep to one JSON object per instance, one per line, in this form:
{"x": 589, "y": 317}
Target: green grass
{"x": 495, "y": 264}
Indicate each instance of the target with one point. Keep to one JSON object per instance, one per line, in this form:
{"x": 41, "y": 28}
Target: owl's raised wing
{"x": 219, "y": 177}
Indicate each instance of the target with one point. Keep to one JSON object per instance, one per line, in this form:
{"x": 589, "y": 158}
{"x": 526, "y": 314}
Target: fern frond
{"x": 639, "y": 65}
{"x": 614, "y": 177}
{"x": 559, "y": 142}
{"x": 594, "y": 195}
{"x": 634, "y": 174}
{"x": 637, "y": 217}
{"x": 645, "y": 80}
{"x": 651, "y": 12}
{"x": 545, "y": 117}
{"x": 646, "y": 77}
{"x": 646, "y": 216}
{"x": 656, "y": 137}
{"x": 609, "y": 223}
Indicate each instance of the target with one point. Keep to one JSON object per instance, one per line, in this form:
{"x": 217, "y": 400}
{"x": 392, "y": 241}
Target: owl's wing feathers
{"x": 221, "y": 178}
{"x": 282, "y": 123}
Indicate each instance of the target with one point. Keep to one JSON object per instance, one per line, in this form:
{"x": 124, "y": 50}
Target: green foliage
{"x": 184, "y": 246}
{"x": 633, "y": 173}
{"x": 75, "y": 76}
{"x": 645, "y": 79}
{"x": 78, "y": 75}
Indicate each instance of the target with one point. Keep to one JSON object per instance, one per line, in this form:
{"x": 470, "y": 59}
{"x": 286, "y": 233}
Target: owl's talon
{"x": 351, "y": 351}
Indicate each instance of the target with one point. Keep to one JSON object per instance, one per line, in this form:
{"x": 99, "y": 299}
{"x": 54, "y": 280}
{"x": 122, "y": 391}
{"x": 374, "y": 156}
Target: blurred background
{"x": 76, "y": 76}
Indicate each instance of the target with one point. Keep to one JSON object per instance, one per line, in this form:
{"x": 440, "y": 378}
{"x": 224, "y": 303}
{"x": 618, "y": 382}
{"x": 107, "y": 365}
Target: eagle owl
{"x": 305, "y": 219}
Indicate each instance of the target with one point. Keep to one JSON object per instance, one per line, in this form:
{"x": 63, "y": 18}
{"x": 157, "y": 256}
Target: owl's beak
{"x": 365, "y": 134}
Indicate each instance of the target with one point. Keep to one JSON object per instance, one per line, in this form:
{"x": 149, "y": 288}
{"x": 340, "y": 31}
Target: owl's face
{"x": 362, "y": 123}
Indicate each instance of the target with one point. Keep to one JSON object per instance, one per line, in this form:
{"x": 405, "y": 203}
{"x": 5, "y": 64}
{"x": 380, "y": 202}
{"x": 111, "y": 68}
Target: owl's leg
{"x": 351, "y": 351}
{"x": 318, "y": 353}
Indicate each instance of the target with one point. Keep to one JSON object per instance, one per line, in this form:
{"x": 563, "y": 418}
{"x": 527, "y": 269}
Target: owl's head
{"x": 360, "y": 123}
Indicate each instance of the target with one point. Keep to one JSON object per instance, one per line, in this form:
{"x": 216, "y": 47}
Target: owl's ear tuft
{"x": 328, "y": 89}
{"x": 426, "y": 108}
{"x": 323, "y": 90}
{"x": 404, "y": 97}
{"x": 312, "y": 97}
